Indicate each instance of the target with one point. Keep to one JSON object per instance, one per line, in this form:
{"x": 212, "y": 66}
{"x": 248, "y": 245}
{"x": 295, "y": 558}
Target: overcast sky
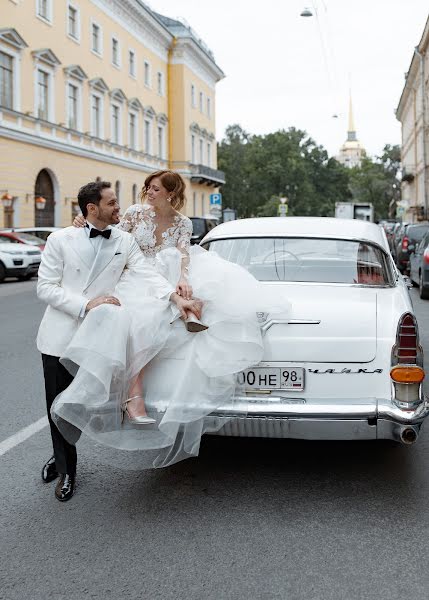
{"x": 284, "y": 70}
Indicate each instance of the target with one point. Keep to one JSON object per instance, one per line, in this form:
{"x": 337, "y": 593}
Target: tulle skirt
{"x": 187, "y": 377}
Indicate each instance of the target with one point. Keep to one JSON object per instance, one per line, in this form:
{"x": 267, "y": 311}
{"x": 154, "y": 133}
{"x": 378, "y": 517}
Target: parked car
{"x": 41, "y": 232}
{"x": 346, "y": 364}
{"x": 19, "y": 260}
{"x": 419, "y": 267}
{"x": 19, "y": 237}
{"x": 393, "y": 237}
{"x": 410, "y": 236}
{"x": 201, "y": 226}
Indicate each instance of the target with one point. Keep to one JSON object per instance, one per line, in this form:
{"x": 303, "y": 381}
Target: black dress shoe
{"x": 49, "y": 471}
{"x": 65, "y": 487}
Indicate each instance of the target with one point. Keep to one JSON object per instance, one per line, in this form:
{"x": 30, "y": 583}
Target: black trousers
{"x": 57, "y": 379}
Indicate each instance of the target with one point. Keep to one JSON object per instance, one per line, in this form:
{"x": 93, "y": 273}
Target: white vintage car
{"x": 347, "y": 364}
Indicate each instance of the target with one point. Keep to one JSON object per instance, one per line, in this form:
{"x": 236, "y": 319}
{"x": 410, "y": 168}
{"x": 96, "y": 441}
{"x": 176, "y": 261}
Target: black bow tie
{"x": 96, "y": 232}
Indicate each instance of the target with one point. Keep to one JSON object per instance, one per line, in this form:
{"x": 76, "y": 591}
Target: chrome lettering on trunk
{"x": 344, "y": 371}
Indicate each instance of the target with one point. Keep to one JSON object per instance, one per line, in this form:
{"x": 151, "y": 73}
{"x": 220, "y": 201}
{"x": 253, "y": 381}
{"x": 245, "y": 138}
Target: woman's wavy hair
{"x": 172, "y": 182}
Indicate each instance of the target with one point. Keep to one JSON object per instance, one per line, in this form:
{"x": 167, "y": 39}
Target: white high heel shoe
{"x": 141, "y": 420}
{"x": 193, "y": 325}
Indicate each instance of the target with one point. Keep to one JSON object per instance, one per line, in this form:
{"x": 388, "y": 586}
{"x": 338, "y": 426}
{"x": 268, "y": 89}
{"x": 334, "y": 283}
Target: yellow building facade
{"x": 103, "y": 89}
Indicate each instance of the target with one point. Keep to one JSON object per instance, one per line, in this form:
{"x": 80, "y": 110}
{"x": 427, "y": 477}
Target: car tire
{"x": 423, "y": 291}
{"x": 2, "y": 272}
{"x": 25, "y": 277}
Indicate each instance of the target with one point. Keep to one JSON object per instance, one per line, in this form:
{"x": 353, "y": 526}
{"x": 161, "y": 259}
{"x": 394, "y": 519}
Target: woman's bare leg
{"x": 136, "y": 407}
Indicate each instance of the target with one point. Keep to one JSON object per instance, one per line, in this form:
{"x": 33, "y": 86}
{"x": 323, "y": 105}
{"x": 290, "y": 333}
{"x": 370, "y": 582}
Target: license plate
{"x": 272, "y": 378}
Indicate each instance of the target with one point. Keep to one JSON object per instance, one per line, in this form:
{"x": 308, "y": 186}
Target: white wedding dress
{"x": 187, "y": 375}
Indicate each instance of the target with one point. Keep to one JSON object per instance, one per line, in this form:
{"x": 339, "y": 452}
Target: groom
{"x": 79, "y": 266}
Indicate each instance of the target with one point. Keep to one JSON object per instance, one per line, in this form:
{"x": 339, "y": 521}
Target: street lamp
{"x": 40, "y": 202}
{"x": 7, "y": 200}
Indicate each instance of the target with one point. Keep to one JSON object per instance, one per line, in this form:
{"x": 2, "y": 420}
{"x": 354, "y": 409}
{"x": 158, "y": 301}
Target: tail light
{"x": 407, "y": 371}
{"x": 426, "y": 256}
{"x": 405, "y": 243}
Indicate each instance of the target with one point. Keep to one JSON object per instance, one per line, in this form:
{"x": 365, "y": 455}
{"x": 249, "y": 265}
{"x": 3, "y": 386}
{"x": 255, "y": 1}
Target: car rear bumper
{"x": 359, "y": 419}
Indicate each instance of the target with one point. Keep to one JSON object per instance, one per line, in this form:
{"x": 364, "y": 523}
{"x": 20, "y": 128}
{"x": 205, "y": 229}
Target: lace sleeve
{"x": 130, "y": 219}
{"x": 184, "y": 243}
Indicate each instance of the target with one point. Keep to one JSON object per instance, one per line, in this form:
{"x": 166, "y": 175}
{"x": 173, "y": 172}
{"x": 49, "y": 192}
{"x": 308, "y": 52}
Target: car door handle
{"x": 266, "y": 326}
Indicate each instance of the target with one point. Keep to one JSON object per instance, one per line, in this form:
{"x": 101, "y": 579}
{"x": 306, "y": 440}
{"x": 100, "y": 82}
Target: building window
{"x": 201, "y": 152}
{"x": 73, "y": 22}
{"x": 116, "y": 124}
{"x": 96, "y": 130}
{"x": 193, "y": 101}
{"x": 135, "y": 190}
{"x": 209, "y": 108}
{"x": 42, "y": 95}
{"x": 160, "y": 83}
{"x": 146, "y": 73}
{"x": 72, "y": 106}
{"x": 193, "y": 149}
{"x": 132, "y": 63}
{"x": 133, "y": 131}
{"x": 147, "y": 137}
{"x": 203, "y": 200}
{"x": 96, "y": 38}
{"x": 209, "y": 154}
{"x": 118, "y": 190}
{"x": 44, "y": 9}
{"x": 115, "y": 52}
{"x": 160, "y": 142}
{"x": 6, "y": 80}
{"x": 194, "y": 204}
{"x": 201, "y": 101}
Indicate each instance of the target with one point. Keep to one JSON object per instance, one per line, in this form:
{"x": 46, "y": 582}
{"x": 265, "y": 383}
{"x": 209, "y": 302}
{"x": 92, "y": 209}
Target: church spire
{"x": 351, "y": 133}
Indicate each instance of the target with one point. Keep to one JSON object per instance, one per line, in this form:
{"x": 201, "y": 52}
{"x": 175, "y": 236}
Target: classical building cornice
{"x": 76, "y": 72}
{"x": 135, "y": 104}
{"x": 135, "y": 17}
{"x": 117, "y": 95}
{"x": 46, "y": 55}
{"x": 149, "y": 111}
{"x": 11, "y": 36}
{"x": 162, "y": 119}
{"x": 187, "y": 52}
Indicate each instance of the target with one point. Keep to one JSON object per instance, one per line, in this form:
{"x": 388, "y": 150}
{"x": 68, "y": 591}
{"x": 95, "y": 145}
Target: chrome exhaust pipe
{"x": 408, "y": 436}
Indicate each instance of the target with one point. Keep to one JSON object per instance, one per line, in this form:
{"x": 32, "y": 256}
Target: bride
{"x": 125, "y": 397}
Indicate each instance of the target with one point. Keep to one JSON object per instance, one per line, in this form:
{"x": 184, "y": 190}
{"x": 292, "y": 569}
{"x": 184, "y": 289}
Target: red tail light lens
{"x": 404, "y": 243}
{"x": 426, "y": 256}
{"x": 407, "y": 340}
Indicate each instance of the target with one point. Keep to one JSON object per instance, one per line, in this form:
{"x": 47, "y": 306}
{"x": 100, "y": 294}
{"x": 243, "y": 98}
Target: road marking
{"x": 22, "y": 435}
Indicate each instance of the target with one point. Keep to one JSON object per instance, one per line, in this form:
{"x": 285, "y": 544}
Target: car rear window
{"x": 416, "y": 232}
{"x": 307, "y": 260}
{"x": 198, "y": 226}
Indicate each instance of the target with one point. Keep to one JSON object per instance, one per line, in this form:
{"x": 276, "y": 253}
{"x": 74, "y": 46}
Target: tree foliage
{"x": 260, "y": 169}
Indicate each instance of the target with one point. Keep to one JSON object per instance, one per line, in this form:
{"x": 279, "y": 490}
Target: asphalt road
{"x": 259, "y": 519}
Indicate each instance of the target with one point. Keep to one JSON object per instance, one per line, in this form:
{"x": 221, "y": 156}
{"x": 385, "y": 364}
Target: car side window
{"x": 7, "y": 240}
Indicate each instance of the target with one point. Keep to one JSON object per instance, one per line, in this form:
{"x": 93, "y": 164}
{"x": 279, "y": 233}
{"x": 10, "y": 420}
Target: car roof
{"x": 317, "y": 227}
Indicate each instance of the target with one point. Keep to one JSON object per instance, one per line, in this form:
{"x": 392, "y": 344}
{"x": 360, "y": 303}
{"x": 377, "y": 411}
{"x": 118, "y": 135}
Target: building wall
{"x": 74, "y": 156}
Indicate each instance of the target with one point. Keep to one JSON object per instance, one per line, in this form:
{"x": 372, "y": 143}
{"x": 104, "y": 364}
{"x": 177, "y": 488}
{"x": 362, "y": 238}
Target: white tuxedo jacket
{"x": 70, "y": 276}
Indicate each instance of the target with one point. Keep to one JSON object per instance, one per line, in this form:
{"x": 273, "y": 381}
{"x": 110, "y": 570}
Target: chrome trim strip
{"x": 271, "y": 322}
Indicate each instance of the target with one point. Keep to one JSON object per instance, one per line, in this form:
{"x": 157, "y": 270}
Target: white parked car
{"x": 19, "y": 260}
{"x": 347, "y": 363}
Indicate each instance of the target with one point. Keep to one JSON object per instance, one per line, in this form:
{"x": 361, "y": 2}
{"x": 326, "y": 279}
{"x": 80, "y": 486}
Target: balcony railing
{"x": 207, "y": 175}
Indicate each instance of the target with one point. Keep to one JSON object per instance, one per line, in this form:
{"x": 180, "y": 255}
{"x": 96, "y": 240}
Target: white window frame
{"x": 148, "y": 138}
{"x": 100, "y": 40}
{"x": 116, "y": 39}
{"x": 161, "y": 147}
{"x": 51, "y": 90}
{"x": 135, "y": 114}
{"x": 132, "y": 73}
{"x": 16, "y": 76}
{"x": 201, "y": 149}
{"x": 193, "y": 96}
{"x": 119, "y": 140}
{"x": 201, "y": 102}
{"x": 78, "y": 86}
{"x": 49, "y": 18}
{"x": 147, "y": 74}
{"x": 160, "y": 83}
{"x": 100, "y": 96}
{"x": 193, "y": 156}
{"x": 77, "y": 9}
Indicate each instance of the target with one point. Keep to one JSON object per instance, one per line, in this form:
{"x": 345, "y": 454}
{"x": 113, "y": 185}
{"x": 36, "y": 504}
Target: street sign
{"x": 283, "y": 210}
{"x": 215, "y": 199}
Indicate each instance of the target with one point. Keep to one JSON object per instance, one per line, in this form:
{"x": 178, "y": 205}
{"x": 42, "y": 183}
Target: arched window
{"x": 135, "y": 191}
{"x": 44, "y": 188}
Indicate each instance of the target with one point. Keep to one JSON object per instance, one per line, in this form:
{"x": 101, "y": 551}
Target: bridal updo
{"x": 172, "y": 182}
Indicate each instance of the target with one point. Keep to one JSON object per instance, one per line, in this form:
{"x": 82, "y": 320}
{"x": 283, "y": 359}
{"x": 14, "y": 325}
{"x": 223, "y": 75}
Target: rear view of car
{"x": 411, "y": 236}
{"x": 347, "y": 363}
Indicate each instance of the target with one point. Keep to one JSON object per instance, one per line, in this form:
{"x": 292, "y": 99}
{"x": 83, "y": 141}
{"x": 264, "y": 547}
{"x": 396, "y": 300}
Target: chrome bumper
{"x": 322, "y": 419}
